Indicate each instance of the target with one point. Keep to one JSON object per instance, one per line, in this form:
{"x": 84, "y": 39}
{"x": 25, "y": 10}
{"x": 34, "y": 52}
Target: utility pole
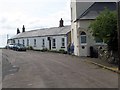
{"x": 7, "y": 38}
{"x": 118, "y": 27}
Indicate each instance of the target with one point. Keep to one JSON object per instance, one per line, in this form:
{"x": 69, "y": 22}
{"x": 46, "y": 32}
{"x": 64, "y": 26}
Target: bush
{"x": 60, "y": 51}
{"x": 63, "y": 51}
{"x": 105, "y": 28}
{"x": 29, "y": 48}
{"x": 44, "y": 50}
{"x": 54, "y": 51}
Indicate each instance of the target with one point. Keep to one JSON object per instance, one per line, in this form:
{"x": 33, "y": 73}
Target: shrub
{"x": 63, "y": 51}
{"x": 44, "y": 50}
{"x": 29, "y": 48}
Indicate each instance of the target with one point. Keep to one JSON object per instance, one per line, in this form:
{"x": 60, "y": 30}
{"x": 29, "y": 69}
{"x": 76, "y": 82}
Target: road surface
{"x": 34, "y": 69}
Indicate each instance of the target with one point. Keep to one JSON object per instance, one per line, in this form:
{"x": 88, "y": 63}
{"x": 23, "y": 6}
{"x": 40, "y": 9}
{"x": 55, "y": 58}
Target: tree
{"x": 18, "y": 31}
{"x": 105, "y": 28}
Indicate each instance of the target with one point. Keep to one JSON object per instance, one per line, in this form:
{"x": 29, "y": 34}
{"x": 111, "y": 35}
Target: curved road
{"x": 53, "y": 70}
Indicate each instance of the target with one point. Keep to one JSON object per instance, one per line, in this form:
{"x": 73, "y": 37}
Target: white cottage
{"x": 82, "y": 14}
{"x": 55, "y": 38}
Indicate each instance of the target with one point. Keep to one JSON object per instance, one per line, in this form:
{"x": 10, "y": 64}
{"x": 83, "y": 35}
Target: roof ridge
{"x": 47, "y": 28}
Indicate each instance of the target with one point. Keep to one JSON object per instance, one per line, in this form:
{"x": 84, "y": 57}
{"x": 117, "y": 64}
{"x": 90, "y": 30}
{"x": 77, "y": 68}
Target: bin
{"x": 91, "y": 52}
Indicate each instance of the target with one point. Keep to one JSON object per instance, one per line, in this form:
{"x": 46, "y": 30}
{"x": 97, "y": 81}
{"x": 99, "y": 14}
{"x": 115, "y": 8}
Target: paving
{"x": 33, "y": 69}
{"x": 103, "y": 64}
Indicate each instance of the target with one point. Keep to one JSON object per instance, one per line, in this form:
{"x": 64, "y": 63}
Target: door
{"x": 49, "y": 44}
{"x": 49, "y": 39}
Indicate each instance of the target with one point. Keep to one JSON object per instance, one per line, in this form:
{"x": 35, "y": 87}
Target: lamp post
{"x": 118, "y": 27}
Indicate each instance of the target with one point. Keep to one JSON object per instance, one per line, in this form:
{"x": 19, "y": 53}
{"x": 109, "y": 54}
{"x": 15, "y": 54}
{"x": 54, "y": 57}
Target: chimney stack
{"x": 61, "y": 23}
{"x": 18, "y": 31}
{"x": 23, "y": 29}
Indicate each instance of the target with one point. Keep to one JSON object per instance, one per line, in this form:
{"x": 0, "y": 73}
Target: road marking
{"x": 29, "y": 84}
{"x": 12, "y": 74}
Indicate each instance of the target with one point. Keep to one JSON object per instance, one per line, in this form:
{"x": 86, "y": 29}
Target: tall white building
{"x": 82, "y": 14}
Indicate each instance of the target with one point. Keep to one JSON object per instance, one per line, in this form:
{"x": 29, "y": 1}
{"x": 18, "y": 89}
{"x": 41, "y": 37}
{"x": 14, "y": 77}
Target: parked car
{"x": 19, "y": 47}
{"x": 10, "y": 46}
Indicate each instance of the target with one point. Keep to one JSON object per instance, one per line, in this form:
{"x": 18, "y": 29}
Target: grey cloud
{"x": 9, "y": 27}
{"x": 3, "y": 20}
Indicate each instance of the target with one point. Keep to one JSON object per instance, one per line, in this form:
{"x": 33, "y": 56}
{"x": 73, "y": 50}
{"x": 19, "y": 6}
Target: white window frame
{"x": 18, "y": 41}
{"x": 63, "y": 42}
{"x": 43, "y": 42}
{"x": 23, "y": 42}
{"x": 27, "y": 42}
{"x": 35, "y": 42}
{"x": 53, "y": 43}
{"x": 85, "y": 43}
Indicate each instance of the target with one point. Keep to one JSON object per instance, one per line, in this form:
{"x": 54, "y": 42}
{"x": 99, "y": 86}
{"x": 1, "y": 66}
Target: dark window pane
{"x": 83, "y": 39}
{"x": 98, "y": 40}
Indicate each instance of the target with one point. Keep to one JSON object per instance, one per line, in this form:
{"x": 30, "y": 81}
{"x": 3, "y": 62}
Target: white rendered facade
{"x": 39, "y": 43}
{"x": 77, "y": 8}
{"x": 80, "y": 33}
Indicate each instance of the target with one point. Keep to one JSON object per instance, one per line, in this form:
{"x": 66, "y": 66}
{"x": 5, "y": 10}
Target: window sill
{"x": 100, "y": 44}
{"x": 83, "y": 43}
{"x": 54, "y": 47}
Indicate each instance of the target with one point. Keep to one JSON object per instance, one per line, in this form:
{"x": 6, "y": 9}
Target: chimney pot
{"x": 61, "y": 23}
{"x": 23, "y": 29}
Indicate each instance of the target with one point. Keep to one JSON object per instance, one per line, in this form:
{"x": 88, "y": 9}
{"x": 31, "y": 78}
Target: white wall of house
{"x": 74, "y": 27}
{"x": 59, "y": 42}
{"x": 83, "y": 26}
{"x": 77, "y": 8}
{"x": 39, "y": 42}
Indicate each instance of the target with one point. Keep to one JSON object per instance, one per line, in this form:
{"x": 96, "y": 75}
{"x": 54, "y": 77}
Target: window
{"x": 63, "y": 42}
{"x": 54, "y": 43}
{"x": 34, "y": 42}
{"x": 18, "y": 41}
{"x": 23, "y": 42}
{"x": 43, "y": 43}
{"x": 83, "y": 39}
{"x": 98, "y": 40}
{"x": 13, "y": 41}
{"x": 27, "y": 42}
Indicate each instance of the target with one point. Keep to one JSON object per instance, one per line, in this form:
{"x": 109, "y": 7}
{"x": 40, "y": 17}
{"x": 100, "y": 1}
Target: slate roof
{"x": 44, "y": 32}
{"x": 94, "y": 10}
{"x": 82, "y": 7}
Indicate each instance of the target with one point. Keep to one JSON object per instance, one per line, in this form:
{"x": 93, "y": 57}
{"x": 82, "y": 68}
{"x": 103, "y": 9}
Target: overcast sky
{"x": 33, "y": 14}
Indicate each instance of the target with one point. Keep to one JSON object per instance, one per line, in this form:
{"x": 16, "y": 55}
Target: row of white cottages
{"x": 78, "y": 33}
{"x": 55, "y": 38}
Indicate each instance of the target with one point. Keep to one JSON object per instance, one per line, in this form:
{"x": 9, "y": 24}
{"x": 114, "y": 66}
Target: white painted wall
{"x": 39, "y": 42}
{"x": 77, "y": 9}
{"x": 74, "y": 27}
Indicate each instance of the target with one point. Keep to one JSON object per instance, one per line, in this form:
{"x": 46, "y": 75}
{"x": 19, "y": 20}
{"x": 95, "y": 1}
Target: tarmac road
{"x": 52, "y": 70}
